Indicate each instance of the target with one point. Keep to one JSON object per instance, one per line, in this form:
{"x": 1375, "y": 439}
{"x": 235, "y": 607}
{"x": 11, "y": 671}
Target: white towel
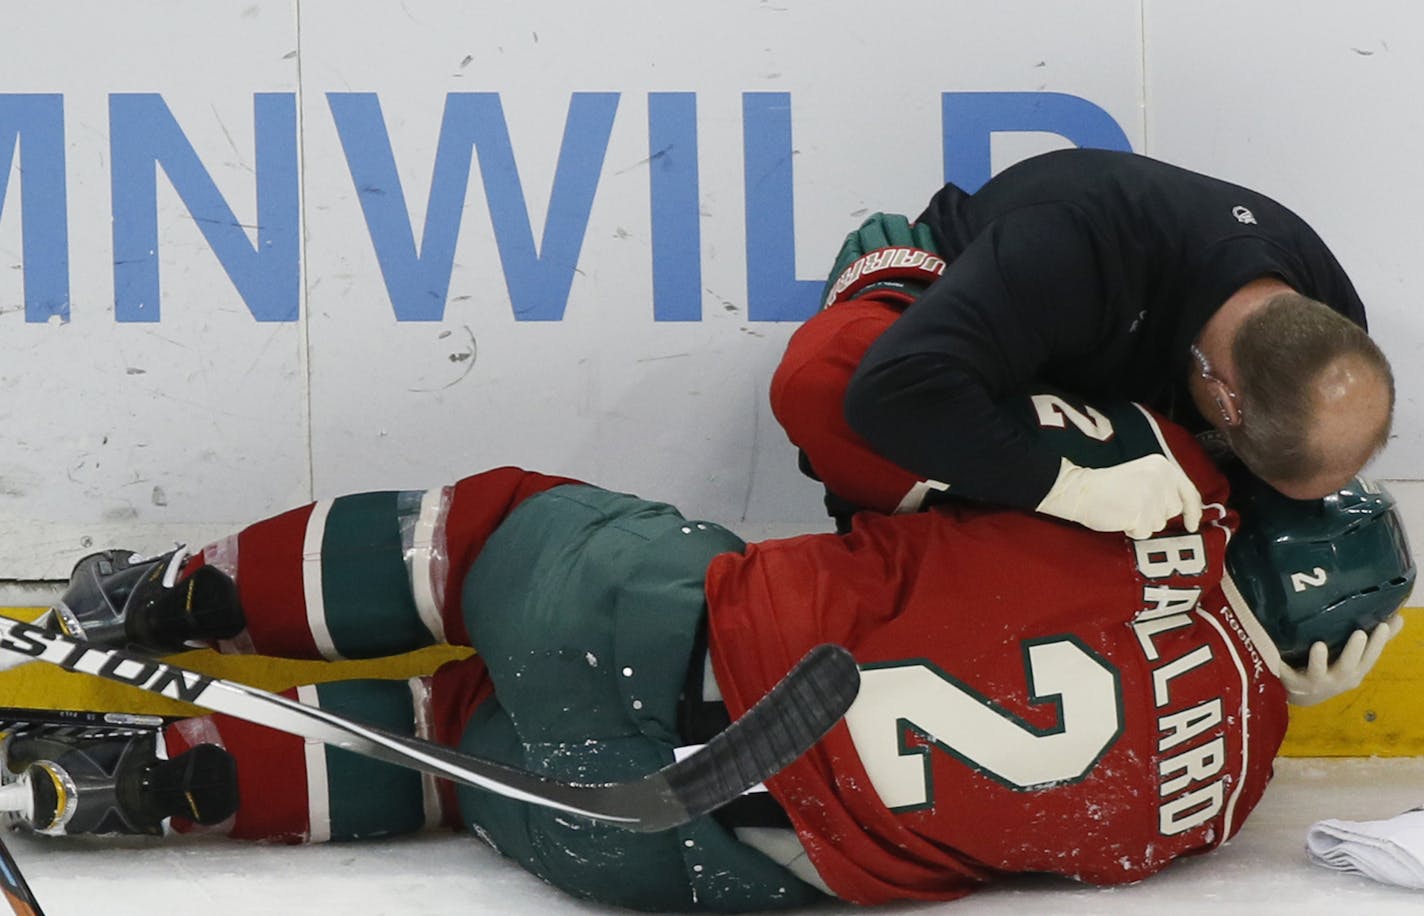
{"x": 1391, "y": 850}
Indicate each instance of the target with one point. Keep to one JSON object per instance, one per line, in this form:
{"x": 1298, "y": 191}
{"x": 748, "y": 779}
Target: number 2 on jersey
{"x": 971, "y": 728}
{"x": 1053, "y": 411}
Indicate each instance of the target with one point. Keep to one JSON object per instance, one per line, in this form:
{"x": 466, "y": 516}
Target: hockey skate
{"x": 64, "y": 782}
{"x": 118, "y": 598}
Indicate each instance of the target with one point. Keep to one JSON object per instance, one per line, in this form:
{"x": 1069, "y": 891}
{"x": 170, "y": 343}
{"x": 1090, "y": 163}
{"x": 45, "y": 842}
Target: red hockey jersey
{"x": 1036, "y": 697}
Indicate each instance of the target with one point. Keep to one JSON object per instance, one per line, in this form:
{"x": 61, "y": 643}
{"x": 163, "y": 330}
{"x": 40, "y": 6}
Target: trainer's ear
{"x": 1226, "y": 401}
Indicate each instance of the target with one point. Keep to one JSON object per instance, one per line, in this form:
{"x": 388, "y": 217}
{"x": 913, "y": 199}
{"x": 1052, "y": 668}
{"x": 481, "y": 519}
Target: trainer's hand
{"x": 1137, "y": 498}
{"x": 1320, "y": 680}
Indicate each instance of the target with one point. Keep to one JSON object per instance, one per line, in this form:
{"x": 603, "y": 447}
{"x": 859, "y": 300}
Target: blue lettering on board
{"x": 145, "y": 136}
{"x": 34, "y": 124}
{"x": 418, "y": 281}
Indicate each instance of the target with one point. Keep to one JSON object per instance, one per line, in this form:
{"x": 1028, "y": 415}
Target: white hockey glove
{"x": 1137, "y": 498}
{"x": 1320, "y": 680}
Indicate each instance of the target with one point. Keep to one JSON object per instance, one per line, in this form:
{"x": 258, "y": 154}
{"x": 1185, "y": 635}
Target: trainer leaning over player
{"x": 1105, "y": 274}
{"x": 1034, "y": 697}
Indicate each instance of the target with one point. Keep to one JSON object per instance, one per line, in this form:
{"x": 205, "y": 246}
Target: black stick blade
{"x": 782, "y": 726}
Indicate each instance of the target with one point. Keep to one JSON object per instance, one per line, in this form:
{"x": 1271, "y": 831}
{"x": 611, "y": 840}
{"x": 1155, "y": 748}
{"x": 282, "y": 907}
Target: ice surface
{"x": 1263, "y": 871}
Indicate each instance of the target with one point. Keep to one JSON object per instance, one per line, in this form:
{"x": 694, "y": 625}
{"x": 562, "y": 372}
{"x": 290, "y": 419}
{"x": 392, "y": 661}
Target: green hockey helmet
{"x": 1319, "y": 569}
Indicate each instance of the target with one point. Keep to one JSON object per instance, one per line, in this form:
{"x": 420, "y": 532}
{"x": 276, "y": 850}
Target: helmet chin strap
{"x": 1270, "y": 655}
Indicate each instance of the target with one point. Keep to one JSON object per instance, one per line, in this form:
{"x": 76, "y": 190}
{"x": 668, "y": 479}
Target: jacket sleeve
{"x": 935, "y": 392}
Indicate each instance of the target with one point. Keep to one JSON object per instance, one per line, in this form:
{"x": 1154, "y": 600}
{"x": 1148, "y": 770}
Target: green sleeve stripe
{"x": 370, "y": 798}
{"x": 368, "y": 608}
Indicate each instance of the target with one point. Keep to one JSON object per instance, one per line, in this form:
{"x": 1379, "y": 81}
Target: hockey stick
{"x": 783, "y": 725}
{"x": 19, "y": 720}
{"x": 13, "y": 889}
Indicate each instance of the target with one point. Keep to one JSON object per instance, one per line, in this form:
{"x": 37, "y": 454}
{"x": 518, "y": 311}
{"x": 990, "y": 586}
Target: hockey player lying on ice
{"x": 1036, "y": 697}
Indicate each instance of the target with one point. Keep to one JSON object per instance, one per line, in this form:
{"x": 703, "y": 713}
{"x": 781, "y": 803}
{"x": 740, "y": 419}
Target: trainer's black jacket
{"x": 1089, "y": 270}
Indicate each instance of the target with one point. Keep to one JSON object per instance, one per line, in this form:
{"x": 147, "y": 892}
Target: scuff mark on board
{"x": 468, "y": 357}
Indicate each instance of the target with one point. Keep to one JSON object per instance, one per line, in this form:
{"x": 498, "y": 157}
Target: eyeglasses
{"x": 1227, "y": 400}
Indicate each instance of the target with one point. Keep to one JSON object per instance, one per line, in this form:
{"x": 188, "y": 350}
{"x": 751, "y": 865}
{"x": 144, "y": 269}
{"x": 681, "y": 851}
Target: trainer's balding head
{"x": 1352, "y": 406}
{"x": 1316, "y": 396}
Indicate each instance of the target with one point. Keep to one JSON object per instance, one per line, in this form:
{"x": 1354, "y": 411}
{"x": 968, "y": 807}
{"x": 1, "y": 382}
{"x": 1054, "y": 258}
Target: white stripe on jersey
{"x": 1244, "y": 717}
{"x": 318, "y": 790}
{"x": 425, "y": 554}
{"x": 311, "y": 581}
{"x": 420, "y": 703}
